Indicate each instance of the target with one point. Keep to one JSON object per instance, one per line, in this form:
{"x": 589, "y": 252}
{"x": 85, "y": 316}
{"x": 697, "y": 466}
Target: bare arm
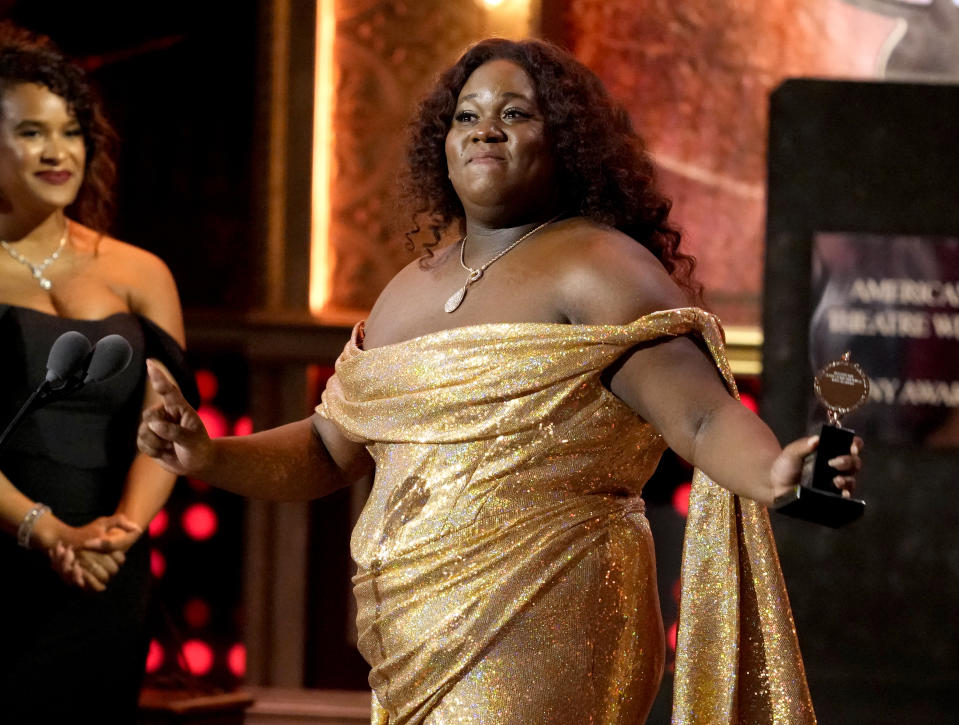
{"x": 675, "y": 385}
{"x": 153, "y": 294}
{"x": 289, "y": 463}
{"x": 48, "y": 529}
{"x": 295, "y": 462}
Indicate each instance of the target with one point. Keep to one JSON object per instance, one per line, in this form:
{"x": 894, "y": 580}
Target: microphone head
{"x": 110, "y": 356}
{"x": 67, "y": 355}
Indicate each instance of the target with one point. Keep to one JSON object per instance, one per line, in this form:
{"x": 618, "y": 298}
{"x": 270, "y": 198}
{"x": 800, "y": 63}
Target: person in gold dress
{"x": 509, "y": 394}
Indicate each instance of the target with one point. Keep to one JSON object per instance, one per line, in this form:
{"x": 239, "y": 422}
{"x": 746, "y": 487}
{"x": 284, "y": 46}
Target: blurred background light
{"x": 199, "y": 521}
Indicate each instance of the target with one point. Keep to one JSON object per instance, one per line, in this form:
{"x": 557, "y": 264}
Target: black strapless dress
{"x": 65, "y": 652}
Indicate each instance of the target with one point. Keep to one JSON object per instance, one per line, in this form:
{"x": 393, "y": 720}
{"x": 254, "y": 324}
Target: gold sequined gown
{"x": 505, "y": 566}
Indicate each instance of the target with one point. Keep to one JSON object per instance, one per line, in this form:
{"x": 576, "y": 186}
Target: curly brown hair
{"x": 603, "y": 170}
{"x": 26, "y": 57}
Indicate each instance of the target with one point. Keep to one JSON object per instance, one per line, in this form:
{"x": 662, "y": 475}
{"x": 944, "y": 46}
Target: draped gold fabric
{"x": 505, "y": 567}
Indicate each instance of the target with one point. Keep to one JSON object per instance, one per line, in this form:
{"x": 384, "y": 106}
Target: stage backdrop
{"x": 696, "y": 77}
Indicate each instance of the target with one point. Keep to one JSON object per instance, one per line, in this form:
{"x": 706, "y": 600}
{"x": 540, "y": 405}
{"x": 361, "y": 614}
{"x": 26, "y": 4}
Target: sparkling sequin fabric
{"x": 506, "y": 572}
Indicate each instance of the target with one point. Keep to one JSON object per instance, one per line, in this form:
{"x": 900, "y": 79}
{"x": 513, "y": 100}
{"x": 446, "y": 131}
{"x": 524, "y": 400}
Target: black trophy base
{"x": 818, "y": 499}
{"x": 819, "y": 507}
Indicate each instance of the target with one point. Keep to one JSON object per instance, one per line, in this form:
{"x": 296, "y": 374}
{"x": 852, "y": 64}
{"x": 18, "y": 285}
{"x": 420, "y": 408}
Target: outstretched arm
{"x": 674, "y": 384}
{"x": 298, "y": 461}
{"x": 676, "y": 387}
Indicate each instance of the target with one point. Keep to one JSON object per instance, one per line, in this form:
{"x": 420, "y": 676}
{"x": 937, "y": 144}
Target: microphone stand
{"x": 43, "y": 395}
{"x": 24, "y": 409}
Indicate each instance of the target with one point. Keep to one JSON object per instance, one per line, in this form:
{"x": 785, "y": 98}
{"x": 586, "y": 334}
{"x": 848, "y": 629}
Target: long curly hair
{"x": 603, "y": 170}
{"x": 26, "y": 57}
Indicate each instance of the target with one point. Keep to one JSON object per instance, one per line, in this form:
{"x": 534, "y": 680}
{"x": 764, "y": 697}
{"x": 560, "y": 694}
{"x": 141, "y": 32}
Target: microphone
{"x": 71, "y": 364}
{"x": 111, "y": 355}
{"x": 67, "y": 355}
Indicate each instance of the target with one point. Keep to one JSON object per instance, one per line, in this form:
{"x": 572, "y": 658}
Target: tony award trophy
{"x": 841, "y": 387}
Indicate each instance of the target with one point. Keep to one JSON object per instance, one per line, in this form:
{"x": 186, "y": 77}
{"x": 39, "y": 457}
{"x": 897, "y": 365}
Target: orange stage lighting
{"x": 324, "y": 82}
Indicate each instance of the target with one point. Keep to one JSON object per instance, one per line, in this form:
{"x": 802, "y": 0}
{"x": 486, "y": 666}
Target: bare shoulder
{"x": 116, "y": 255}
{"x": 607, "y": 277}
{"x": 138, "y": 275}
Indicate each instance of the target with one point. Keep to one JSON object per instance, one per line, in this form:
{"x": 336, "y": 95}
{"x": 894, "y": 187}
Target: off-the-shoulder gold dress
{"x": 505, "y": 566}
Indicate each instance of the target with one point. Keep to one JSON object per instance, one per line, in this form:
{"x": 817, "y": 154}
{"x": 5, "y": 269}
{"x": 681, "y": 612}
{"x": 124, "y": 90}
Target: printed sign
{"x": 893, "y": 301}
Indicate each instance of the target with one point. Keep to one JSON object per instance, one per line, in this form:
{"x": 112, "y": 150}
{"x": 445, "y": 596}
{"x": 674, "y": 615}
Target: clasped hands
{"x": 90, "y": 556}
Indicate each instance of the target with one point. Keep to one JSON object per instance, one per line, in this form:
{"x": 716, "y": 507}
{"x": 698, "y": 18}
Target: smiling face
{"x": 42, "y": 150}
{"x": 499, "y": 159}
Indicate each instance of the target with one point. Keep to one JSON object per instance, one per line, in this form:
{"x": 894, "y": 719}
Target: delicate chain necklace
{"x": 456, "y": 299}
{"x": 38, "y": 269}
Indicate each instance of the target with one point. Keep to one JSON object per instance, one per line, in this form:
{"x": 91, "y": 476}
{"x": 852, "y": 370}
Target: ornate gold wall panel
{"x": 387, "y": 53}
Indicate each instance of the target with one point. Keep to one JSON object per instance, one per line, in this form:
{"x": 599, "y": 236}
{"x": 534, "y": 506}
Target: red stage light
{"x": 196, "y": 613}
{"x": 155, "y": 656}
{"x": 671, "y": 636}
{"x": 214, "y": 420}
{"x": 750, "y": 402}
{"x": 207, "y": 384}
{"x": 157, "y": 563}
{"x": 198, "y": 656}
{"x": 236, "y": 660}
{"x": 681, "y": 499}
{"x": 243, "y": 426}
{"x": 199, "y": 521}
{"x": 159, "y": 523}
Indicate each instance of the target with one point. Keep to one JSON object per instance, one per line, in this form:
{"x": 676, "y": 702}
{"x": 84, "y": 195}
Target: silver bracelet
{"x": 25, "y": 529}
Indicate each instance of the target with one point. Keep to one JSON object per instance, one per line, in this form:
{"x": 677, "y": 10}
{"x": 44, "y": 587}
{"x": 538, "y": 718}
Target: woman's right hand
{"x": 171, "y": 432}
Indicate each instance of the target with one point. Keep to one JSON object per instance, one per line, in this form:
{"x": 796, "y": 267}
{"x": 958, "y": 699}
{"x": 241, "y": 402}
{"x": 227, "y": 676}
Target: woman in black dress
{"x": 73, "y": 637}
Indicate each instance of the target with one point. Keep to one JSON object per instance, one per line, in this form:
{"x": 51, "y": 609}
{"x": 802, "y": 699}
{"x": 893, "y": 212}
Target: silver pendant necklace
{"x": 456, "y": 299}
{"x": 37, "y": 270}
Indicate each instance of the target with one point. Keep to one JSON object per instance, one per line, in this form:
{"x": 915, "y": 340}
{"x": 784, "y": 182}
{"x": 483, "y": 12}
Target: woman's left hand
{"x": 787, "y": 468}
{"x": 80, "y": 537}
{"x": 115, "y": 539}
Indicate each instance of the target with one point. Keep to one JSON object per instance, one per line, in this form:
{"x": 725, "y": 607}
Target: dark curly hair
{"x": 26, "y": 57}
{"x": 603, "y": 170}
